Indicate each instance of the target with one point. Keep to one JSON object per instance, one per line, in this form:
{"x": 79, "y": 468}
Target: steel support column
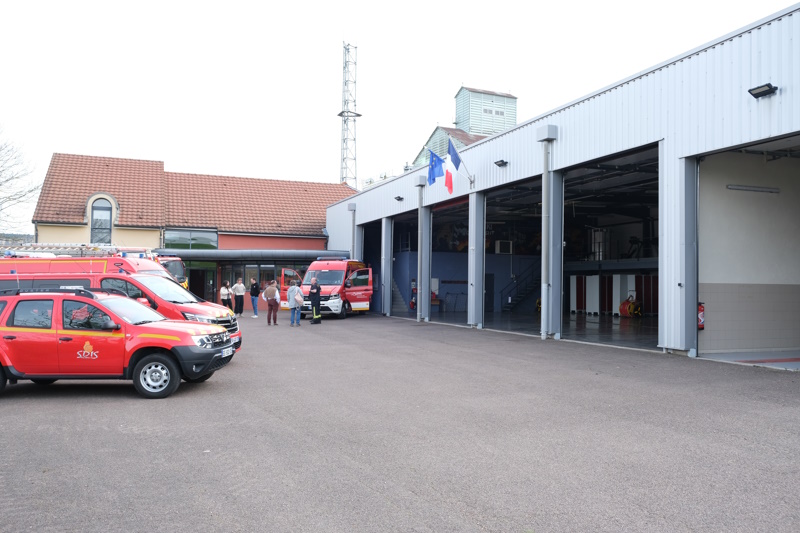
{"x": 690, "y": 178}
{"x": 476, "y": 259}
{"x": 387, "y": 262}
{"x": 556, "y": 255}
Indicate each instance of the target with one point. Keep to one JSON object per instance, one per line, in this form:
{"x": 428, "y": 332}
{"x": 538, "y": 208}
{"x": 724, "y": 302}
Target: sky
{"x": 253, "y": 88}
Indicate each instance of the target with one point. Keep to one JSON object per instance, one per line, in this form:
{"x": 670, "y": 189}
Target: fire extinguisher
{"x": 413, "y": 303}
{"x": 701, "y": 315}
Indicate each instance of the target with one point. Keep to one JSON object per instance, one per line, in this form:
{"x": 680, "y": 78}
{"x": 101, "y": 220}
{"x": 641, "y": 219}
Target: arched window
{"x": 101, "y": 221}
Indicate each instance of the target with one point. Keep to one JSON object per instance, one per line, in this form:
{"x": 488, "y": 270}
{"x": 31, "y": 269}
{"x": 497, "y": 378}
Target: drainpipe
{"x": 546, "y": 134}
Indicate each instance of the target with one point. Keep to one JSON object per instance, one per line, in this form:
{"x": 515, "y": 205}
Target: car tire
{"x": 201, "y": 379}
{"x": 156, "y": 376}
{"x": 44, "y": 381}
{"x": 2, "y": 379}
{"x": 343, "y": 311}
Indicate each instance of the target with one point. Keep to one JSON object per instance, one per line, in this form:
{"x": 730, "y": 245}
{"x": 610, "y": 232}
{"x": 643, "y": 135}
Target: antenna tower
{"x": 349, "y": 115}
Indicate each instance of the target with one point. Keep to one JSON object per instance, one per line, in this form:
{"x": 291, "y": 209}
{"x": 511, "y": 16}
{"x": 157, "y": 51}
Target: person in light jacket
{"x": 294, "y": 306}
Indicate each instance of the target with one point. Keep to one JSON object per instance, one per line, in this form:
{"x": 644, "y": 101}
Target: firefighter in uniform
{"x": 314, "y": 296}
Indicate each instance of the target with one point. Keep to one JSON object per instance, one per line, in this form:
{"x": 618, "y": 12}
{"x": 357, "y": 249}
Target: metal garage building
{"x": 687, "y": 161}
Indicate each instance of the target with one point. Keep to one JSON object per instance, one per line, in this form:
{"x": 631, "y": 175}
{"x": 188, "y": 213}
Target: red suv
{"x": 51, "y": 334}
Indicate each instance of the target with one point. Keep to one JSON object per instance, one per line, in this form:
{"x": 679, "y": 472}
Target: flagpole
{"x": 470, "y": 177}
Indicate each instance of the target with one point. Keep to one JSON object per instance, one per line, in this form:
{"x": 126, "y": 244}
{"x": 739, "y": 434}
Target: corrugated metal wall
{"x": 693, "y": 104}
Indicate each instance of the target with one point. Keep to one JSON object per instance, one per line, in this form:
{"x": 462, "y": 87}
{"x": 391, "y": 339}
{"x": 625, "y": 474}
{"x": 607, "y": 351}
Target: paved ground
{"x": 374, "y": 424}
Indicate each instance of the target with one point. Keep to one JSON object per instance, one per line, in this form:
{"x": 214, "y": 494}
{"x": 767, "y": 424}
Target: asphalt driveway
{"x": 373, "y": 424}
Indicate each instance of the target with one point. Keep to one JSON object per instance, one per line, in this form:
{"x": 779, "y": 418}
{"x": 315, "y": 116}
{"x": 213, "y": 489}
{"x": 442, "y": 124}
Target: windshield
{"x": 167, "y": 289}
{"x": 175, "y": 267}
{"x": 132, "y": 311}
{"x": 324, "y": 277}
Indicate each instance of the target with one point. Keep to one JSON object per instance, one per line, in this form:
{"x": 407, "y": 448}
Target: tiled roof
{"x": 462, "y": 136}
{"x": 149, "y": 197}
{"x": 72, "y": 179}
{"x": 249, "y": 205}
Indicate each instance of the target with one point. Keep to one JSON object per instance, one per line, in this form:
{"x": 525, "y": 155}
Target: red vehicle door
{"x": 359, "y": 292}
{"x": 30, "y": 338}
{"x": 287, "y": 275}
{"x": 85, "y": 346}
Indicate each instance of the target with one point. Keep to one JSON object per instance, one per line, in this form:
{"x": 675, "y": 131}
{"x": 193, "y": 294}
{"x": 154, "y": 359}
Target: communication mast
{"x": 349, "y": 115}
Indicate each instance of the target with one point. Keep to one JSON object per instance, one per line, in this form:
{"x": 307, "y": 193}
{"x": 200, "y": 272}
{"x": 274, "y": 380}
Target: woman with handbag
{"x": 295, "y": 296}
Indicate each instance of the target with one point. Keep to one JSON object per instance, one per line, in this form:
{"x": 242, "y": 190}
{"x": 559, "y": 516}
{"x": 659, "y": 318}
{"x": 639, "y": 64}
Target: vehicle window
{"x": 325, "y": 277}
{"x": 80, "y": 315}
{"x": 58, "y": 283}
{"x": 167, "y": 289}
{"x": 2, "y": 306}
{"x": 32, "y": 314}
{"x": 360, "y": 278}
{"x": 15, "y": 284}
{"x": 121, "y": 285}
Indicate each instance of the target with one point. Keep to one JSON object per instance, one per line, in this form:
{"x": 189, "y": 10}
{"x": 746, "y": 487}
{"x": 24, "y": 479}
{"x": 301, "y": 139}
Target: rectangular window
{"x": 32, "y": 314}
{"x": 501, "y": 113}
{"x": 190, "y": 239}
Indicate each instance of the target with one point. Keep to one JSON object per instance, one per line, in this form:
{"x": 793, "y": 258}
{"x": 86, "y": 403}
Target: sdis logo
{"x": 87, "y": 352}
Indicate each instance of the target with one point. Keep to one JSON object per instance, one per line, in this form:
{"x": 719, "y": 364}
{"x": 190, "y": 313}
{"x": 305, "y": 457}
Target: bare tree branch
{"x": 15, "y": 187}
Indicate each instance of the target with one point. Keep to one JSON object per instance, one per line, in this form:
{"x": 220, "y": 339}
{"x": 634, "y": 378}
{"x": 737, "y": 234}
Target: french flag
{"x": 452, "y": 165}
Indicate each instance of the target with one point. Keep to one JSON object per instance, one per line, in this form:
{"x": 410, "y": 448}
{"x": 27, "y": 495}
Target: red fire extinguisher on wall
{"x": 701, "y": 316}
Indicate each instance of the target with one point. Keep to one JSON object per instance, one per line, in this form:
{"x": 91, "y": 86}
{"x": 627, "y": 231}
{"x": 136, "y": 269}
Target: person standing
{"x": 314, "y": 296}
{"x": 273, "y": 298}
{"x": 238, "y": 297}
{"x": 255, "y": 290}
{"x": 225, "y": 294}
{"x": 294, "y": 306}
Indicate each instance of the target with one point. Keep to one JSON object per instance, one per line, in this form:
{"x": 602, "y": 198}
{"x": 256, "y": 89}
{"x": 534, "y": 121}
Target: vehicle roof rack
{"x": 76, "y": 291}
{"x": 332, "y": 258}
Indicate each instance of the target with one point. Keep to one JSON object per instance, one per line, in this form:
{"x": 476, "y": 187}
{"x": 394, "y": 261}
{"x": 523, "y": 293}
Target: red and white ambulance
{"x": 345, "y": 285}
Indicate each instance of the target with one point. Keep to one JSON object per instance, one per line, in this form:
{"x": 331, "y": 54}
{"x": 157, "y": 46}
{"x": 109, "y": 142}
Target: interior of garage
{"x": 749, "y": 252}
{"x": 610, "y": 275}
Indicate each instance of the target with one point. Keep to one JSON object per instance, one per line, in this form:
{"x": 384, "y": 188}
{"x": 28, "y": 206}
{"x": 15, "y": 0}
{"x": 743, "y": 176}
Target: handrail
{"x": 518, "y": 284}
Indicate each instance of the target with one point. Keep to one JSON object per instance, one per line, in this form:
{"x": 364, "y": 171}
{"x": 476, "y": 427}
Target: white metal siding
{"x": 694, "y": 104}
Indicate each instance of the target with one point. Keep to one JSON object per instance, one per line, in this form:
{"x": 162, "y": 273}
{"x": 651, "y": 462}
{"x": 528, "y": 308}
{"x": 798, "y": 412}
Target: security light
{"x": 501, "y": 163}
{"x": 762, "y": 90}
{"x": 398, "y": 198}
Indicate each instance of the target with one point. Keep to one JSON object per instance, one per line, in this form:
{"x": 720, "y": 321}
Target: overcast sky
{"x": 253, "y": 89}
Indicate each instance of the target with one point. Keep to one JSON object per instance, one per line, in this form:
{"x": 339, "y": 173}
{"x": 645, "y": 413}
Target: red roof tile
{"x": 149, "y": 197}
{"x": 249, "y": 205}
{"x": 72, "y": 179}
{"x": 462, "y": 136}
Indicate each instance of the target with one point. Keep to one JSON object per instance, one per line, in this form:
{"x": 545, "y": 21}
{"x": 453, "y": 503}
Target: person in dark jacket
{"x": 314, "y": 296}
{"x": 255, "y": 291}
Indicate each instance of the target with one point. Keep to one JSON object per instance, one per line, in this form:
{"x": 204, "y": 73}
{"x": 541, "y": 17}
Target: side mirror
{"x": 347, "y": 284}
{"x": 110, "y": 324}
{"x": 181, "y": 279}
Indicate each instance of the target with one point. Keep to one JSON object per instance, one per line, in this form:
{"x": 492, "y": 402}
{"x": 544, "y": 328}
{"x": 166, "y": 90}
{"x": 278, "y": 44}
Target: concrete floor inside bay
{"x": 638, "y": 333}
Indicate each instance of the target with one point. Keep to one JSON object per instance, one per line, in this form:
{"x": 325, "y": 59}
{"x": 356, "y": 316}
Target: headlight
{"x": 334, "y": 296}
{"x": 199, "y": 318}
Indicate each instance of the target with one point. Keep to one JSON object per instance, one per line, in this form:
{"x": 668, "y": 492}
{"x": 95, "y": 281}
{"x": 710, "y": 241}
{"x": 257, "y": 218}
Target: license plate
{"x": 227, "y": 351}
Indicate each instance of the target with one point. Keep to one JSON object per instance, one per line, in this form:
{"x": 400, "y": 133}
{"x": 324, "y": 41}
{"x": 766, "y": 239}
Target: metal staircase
{"x": 523, "y": 288}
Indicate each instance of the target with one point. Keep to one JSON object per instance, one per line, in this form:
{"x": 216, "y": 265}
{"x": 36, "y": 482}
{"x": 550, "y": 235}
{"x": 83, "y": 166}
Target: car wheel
{"x": 156, "y": 376}
{"x": 2, "y": 379}
{"x": 201, "y": 379}
{"x": 302, "y": 316}
{"x": 44, "y": 381}
{"x": 343, "y": 311}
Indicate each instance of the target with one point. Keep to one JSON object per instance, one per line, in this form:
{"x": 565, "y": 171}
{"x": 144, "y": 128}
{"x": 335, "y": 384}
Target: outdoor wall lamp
{"x": 501, "y": 163}
{"x": 762, "y": 90}
{"x": 398, "y": 198}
